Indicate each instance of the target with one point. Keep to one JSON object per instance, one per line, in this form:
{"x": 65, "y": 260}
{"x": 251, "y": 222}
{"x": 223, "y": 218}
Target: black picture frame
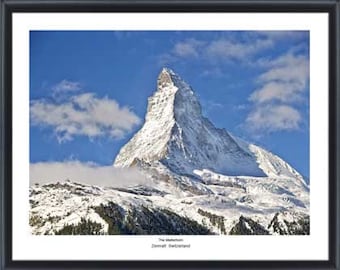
{"x": 8, "y": 7}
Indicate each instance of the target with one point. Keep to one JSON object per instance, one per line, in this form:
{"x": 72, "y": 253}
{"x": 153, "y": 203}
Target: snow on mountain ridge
{"x": 176, "y": 134}
{"x": 271, "y": 164}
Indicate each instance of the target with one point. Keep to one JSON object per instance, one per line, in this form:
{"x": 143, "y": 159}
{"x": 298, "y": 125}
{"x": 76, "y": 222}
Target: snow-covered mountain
{"x": 177, "y": 135}
{"x": 201, "y": 180}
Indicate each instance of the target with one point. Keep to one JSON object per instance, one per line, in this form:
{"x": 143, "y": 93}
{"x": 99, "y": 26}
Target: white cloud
{"x": 215, "y": 72}
{"x": 282, "y": 91}
{"x": 285, "y": 81}
{"x": 87, "y": 173}
{"x": 187, "y": 48}
{"x": 271, "y": 118}
{"x": 288, "y": 67}
{"x": 84, "y": 114}
{"x": 237, "y": 47}
{"x": 66, "y": 86}
{"x": 224, "y": 48}
{"x": 216, "y": 50}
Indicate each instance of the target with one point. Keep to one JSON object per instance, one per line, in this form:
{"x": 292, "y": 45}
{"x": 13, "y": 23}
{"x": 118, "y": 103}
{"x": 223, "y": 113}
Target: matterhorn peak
{"x": 173, "y": 98}
{"x": 176, "y": 135}
{"x": 170, "y": 107}
{"x": 167, "y": 73}
{"x": 168, "y": 78}
{"x": 164, "y": 77}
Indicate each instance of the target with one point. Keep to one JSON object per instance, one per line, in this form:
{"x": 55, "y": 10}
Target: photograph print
{"x": 169, "y": 133}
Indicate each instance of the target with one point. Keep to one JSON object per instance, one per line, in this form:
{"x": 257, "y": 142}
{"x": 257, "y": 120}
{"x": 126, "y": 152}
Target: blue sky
{"x": 89, "y": 89}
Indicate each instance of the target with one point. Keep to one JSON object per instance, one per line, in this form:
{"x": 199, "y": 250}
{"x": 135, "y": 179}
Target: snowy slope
{"x": 218, "y": 208}
{"x": 200, "y": 178}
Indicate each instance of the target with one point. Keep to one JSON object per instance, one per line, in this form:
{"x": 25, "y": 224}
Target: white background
{"x": 312, "y": 247}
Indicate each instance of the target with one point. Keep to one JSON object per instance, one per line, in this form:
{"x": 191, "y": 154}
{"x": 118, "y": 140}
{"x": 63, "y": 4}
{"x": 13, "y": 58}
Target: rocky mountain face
{"x": 201, "y": 180}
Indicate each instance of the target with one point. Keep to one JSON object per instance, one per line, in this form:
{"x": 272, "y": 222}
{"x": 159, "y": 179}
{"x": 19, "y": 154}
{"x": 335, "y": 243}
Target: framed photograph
{"x": 178, "y": 135}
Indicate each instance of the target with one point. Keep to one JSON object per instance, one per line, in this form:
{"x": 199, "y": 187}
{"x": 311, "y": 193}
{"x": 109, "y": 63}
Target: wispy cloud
{"x": 285, "y": 79}
{"x": 188, "y": 48}
{"x": 282, "y": 35}
{"x": 288, "y": 67}
{"x": 228, "y": 49}
{"x": 87, "y": 173}
{"x": 66, "y": 86}
{"x": 281, "y": 85}
{"x": 275, "y": 90}
{"x": 237, "y": 47}
{"x": 83, "y": 114}
{"x": 240, "y": 107}
{"x": 213, "y": 72}
{"x": 218, "y": 49}
{"x": 273, "y": 117}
